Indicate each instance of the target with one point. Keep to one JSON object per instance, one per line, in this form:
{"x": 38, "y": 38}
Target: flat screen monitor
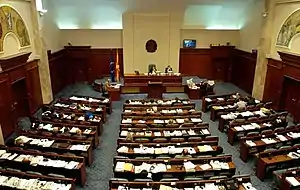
{"x": 189, "y": 43}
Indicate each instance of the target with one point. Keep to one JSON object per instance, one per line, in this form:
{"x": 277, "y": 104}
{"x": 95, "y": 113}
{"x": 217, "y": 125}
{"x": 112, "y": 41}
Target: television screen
{"x": 189, "y": 43}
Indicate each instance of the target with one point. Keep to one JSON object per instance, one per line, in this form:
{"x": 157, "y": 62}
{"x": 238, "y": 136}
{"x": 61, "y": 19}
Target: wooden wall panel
{"x": 282, "y": 83}
{"x": 196, "y": 62}
{"x": 243, "y": 70}
{"x": 59, "y": 71}
{"x": 100, "y": 60}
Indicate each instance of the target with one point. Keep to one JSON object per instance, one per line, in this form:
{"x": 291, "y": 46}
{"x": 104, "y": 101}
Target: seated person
{"x": 191, "y": 84}
{"x": 241, "y": 104}
{"x": 250, "y": 100}
{"x": 106, "y": 87}
{"x": 280, "y": 122}
{"x": 153, "y": 70}
{"x": 169, "y": 69}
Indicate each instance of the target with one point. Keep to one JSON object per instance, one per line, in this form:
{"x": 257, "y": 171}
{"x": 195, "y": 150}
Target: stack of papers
{"x": 196, "y": 120}
{"x": 208, "y": 100}
{"x": 281, "y": 137}
{"x": 250, "y": 143}
{"x": 126, "y": 120}
{"x": 268, "y": 140}
{"x": 292, "y": 181}
{"x": 180, "y": 120}
{"x": 237, "y": 128}
{"x": 189, "y": 166}
{"x": 294, "y": 135}
{"x": 248, "y": 186}
{"x": 123, "y": 149}
{"x": 205, "y": 131}
{"x": 205, "y": 148}
{"x": 158, "y": 121}
{"x": 80, "y": 147}
{"x": 205, "y": 167}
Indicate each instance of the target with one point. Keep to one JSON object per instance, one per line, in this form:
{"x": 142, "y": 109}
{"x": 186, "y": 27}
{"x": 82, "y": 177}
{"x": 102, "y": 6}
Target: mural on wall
{"x": 12, "y": 22}
{"x": 289, "y": 29}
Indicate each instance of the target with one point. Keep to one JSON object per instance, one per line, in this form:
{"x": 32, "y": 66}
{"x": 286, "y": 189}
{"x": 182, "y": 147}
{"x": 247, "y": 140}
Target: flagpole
{"x": 117, "y": 66}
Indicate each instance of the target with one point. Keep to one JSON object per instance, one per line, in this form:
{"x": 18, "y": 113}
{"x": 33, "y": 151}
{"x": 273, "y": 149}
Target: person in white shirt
{"x": 241, "y": 104}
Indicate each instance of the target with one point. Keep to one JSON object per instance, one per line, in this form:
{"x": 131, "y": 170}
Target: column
{"x": 265, "y": 44}
{"x": 41, "y": 52}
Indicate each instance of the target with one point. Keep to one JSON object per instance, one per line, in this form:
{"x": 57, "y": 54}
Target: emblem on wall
{"x": 12, "y": 22}
{"x": 289, "y": 29}
{"x": 151, "y": 46}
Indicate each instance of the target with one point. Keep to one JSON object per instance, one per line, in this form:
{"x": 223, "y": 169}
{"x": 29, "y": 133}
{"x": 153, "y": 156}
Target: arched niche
{"x": 12, "y": 22}
{"x": 289, "y": 29}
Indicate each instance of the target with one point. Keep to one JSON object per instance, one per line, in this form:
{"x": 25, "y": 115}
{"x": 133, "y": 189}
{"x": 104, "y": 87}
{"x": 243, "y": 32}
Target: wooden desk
{"x": 144, "y": 79}
{"x": 207, "y": 105}
{"x": 113, "y": 184}
{"x": 114, "y": 93}
{"x": 155, "y": 90}
{"x": 194, "y": 94}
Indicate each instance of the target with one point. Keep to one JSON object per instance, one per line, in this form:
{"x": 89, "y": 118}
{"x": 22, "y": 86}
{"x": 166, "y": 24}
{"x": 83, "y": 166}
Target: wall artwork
{"x": 12, "y": 22}
{"x": 289, "y": 29}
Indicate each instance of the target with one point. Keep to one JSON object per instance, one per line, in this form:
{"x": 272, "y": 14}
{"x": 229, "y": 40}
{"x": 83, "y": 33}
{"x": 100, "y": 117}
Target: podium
{"x": 155, "y": 90}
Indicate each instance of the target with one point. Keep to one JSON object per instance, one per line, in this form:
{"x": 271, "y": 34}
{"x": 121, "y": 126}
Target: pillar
{"x": 41, "y": 52}
{"x": 264, "y": 50}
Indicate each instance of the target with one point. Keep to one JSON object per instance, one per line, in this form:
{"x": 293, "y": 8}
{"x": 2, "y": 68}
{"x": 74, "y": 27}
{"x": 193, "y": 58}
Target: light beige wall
{"x": 50, "y": 31}
{"x": 138, "y": 28}
{"x": 11, "y": 44}
{"x": 206, "y": 37}
{"x": 92, "y": 37}
{"x": 283, "y": 11}
{"x": 250, "y": 32}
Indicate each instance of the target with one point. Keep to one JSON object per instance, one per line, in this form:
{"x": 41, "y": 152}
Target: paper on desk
{"x": 281, "y": 137}
{"x": 208, "y": 99}
{"x": 205, "y": 167}
{"x": 248, "y": 186}
{"x": 237, "y": 128}
{"x": 196, "y": 120}
{"x": 293, "y": 181}
{"x": 250, "y": 143}
{"x": 205, "y": 131}
{"x": 164, "y": 187}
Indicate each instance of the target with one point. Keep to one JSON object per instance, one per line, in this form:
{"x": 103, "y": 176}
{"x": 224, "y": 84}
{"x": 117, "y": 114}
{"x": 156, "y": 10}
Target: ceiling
{"x": 107, "y": 14}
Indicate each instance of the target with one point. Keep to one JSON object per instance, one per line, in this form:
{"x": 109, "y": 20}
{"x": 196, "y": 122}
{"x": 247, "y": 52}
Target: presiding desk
{"x": 144, "y": 79}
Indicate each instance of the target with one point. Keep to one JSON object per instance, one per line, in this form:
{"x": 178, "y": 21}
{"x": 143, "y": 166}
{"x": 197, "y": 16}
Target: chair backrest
{"x": 150, "y": 66}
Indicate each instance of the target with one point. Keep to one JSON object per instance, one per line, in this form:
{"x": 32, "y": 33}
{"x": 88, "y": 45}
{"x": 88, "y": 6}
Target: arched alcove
{"x": 12, "y": 23}
{"x": 289, "y": 29}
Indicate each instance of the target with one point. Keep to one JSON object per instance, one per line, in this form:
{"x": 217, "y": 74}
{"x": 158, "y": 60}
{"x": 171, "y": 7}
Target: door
{"x": 33, "y": 86}
{"x": 6, "y": 115}
{"x": 291, "y": 91}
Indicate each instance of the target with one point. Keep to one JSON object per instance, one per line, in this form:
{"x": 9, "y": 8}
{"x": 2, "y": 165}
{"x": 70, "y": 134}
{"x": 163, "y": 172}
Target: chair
{"x": 217, "y": 177}
{"x": 69, "y": 154}
{"x": 187, "y": 125}
{"x": 33, "y": 173}
{"x": 251, "y": 134}
{"x": 13, "y": 170}
{"x": 141, "y": 125}
{"x": 143, "y": 180}
{"x": 193, "y": 178}
{"x": 56, "y": 175}
{"x": 143, "y": 158}
{"x": 195, "y": 139}
{"x": 267, "y": 132}
{"x": 253, "y": 119}
{"x": 279, "y": 129}
{"x": 160, "y": 140}
{"x": 119, "y": 179}
{"x": 142, "y": 140}
{"x": 183, "y": 156}
{"x": 284, "y": 147}
{"x": 121, "y": 157}
{"x": 47, "y": 134}
{"x": 172, "y": 126}
{"x": 177, "y": 140}
{"x": 169, "y": 179}
{"x": 163, "y": 157}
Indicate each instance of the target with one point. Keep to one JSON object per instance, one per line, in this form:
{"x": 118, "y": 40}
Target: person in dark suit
{"x": 168, "y": 69}
{"x": 153, "y": 70}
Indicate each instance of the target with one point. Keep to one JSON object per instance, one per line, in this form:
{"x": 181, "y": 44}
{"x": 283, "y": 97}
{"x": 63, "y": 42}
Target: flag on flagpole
{"x": 112, "y": 68}
{"x": 117, "y": 73}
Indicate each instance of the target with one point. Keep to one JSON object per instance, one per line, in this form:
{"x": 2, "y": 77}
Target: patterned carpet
{"x": 101, "y": 171}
